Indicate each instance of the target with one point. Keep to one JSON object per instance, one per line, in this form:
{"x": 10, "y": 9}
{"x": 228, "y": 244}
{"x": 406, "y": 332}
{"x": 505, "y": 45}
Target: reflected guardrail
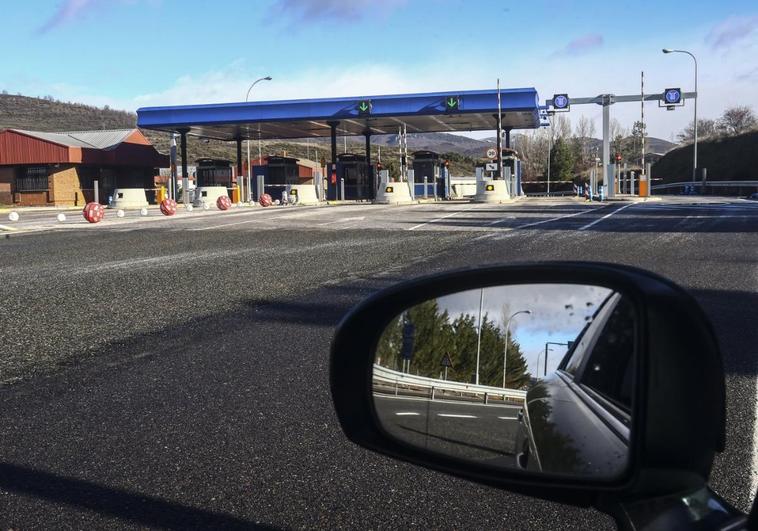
{"x": 395, "y": 382}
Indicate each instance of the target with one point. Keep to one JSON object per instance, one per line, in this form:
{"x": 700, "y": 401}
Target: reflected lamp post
{"x": 507, "y": 333}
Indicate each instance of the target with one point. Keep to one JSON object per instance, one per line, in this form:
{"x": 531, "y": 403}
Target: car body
{"x": 577, "y": 420}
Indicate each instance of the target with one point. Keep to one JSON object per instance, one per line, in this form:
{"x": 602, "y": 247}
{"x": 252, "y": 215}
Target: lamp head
{"x": 667, "y": 50}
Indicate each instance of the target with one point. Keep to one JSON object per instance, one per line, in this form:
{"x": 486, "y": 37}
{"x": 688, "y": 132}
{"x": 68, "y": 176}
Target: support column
{"x": 371, "y": 176}
{"x": 608, "y": 180}
{"x": 183, "y": 149}
{"x": 240, "y": 177}
{"x": 508, "y": 137}
{"x": 332, "y": 170}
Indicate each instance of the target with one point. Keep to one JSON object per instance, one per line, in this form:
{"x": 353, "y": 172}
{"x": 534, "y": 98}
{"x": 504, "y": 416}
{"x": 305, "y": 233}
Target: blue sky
{"x": 132, "y": 53}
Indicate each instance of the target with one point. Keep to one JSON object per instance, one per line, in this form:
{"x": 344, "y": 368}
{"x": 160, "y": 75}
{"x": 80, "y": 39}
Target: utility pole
{"x": 642, "y": 119}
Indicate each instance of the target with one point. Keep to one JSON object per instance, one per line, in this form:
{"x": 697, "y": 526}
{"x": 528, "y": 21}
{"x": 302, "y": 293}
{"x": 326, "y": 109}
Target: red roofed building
{"x": 56, "y": 169}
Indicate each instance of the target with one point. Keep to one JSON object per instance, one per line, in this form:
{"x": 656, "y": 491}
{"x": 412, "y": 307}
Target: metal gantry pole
{"x": 607, "y": 175}
{"x": 694, "y": 162}
{"x": 642, "y": 120}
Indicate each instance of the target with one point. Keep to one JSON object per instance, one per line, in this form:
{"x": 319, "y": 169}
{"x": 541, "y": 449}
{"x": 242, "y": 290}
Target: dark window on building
{"x": 32, "y": 179}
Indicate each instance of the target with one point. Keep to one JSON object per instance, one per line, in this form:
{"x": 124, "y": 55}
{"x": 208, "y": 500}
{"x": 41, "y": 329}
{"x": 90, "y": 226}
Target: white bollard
{"x": 189, "y": 207}
{"x": 13, "y": 216}
{"x": 120, "y": 213}
{"x": 143, "y": 211}
{"x": 61, "y": 217}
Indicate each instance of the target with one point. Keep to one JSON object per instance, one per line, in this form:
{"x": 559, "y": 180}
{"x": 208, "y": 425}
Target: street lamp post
{"x": 507, "y": 332}
{"x": 249, "y": 166}
{"x": 694, "y": 163}
{"x": 550, "y": 350}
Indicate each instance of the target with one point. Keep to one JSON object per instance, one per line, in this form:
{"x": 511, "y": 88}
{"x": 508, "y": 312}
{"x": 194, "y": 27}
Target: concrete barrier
{"x": 126, "y": 198}
{"x": 302, "y": 194}
{"x": 208, "y": 195}
{"x": 491, "y": 191}
{"x": 393, "y": 194}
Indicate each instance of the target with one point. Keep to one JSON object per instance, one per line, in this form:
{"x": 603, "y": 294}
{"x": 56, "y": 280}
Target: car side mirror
{"x": 583, "y": 383}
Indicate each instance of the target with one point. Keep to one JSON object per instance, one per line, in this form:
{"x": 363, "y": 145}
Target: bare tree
{"x": 533, "y": 148}
{"x": 706, "y": 128}
{"x": 737, "y": 120}
{"x": 584, "y": 133}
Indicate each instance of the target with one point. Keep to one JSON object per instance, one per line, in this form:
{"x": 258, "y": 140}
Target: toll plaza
{"x": 352, "y": 176}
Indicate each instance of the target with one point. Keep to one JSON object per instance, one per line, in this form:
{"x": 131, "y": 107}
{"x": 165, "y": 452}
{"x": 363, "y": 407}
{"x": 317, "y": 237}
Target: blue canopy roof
{"x": 472, "y": 110}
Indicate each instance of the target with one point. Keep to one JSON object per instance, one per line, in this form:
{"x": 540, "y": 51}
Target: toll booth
{"x": 512, "y": 161}
{"x": 430, "y": 169}
{"x": 277, "y": 173}
{"x": 512, "y": 165}
{"x": 357, "y": 178}
{"x": 214, "y": 172}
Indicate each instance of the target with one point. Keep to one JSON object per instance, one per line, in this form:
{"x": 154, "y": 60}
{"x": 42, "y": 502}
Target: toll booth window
{"x": 610, "y": 367}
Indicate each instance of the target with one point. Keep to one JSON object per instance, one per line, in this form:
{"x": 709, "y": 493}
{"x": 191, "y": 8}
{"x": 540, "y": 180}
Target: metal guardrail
{"x": 397, "y": 378}
{"x": 731, "y": 184}
{"x": 551, "y": 194}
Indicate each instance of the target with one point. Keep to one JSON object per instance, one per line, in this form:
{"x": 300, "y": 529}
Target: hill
{"x": 726, "y": 159}
{"x": 48, "y": 114}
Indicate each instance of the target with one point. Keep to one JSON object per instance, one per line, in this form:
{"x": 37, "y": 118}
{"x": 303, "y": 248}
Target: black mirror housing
{"x": 679, "y": 420}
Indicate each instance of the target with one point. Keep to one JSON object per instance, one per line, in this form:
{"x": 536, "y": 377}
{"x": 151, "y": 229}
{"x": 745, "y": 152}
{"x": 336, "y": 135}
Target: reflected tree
{"x": 437, "y": 335}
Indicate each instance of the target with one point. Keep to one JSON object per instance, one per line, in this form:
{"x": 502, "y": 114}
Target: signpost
{"x": 446, "y": 362}
{"x": 670, "y": 98}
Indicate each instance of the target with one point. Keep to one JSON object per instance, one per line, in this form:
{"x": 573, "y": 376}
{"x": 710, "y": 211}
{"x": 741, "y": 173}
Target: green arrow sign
{"x": 364, "y": 107}
{"x": 452, "y": 103}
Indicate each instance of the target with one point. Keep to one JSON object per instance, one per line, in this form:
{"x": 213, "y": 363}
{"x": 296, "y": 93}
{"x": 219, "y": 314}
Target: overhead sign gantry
{"x": 670, "y": 98}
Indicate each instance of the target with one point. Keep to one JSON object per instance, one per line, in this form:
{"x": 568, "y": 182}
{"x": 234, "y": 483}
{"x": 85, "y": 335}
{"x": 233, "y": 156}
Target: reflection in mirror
{"x": 535, "y": 377}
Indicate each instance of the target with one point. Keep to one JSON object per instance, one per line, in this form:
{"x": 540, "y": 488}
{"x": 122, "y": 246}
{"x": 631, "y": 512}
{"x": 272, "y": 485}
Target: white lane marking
{"x": 534, "y": 223}
{"x": 440, "y": 219}
{"x": 754, "y": 471}
{"x": 456, "y": 416}
{"x": 501, "y": 220}
{"x": 342, "y": 220}
{"x": 407, "y": 414}
{"x": 588, "y": 225}
{"x": 508, "y": 418}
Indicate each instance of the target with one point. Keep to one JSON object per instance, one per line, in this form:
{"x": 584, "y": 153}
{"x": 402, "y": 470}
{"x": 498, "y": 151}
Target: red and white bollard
{"x": 223, "y": 202}
{"x": 265, "y": 200}
{"x": 168, "y": 207}
{"x": 93, "y": 212}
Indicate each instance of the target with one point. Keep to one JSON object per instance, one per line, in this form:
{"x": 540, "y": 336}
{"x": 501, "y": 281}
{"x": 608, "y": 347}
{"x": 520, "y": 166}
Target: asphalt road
{"x": 173, "y": 372}
{"x": 469, "y": 430}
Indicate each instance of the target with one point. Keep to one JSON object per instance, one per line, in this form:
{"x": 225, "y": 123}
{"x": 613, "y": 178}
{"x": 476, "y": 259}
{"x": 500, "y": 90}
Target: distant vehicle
{"x": 587, "y": 399}
{"x": 754, "y": 195}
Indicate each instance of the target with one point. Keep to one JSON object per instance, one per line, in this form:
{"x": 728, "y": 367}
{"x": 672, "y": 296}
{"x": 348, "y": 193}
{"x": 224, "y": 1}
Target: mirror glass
{"x": 536, "y": 377}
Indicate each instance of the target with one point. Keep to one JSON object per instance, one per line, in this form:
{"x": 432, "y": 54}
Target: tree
{"x": 435, "y": 335}
{"x": 561, "y": 161}
{"x": 584, "y": 134}
{"x": 706, "y": 128}
{"x": 737, "y": 120}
